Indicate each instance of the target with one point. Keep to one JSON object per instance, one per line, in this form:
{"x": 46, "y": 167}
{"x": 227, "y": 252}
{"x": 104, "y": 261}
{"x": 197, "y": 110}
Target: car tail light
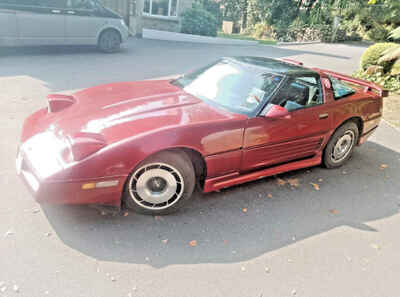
{"x": 83, "y": 144}
{"x": 57, "y": 102}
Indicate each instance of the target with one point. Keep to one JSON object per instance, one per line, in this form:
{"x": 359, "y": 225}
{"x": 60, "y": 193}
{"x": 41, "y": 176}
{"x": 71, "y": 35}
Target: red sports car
{"x": 149, "y": 143}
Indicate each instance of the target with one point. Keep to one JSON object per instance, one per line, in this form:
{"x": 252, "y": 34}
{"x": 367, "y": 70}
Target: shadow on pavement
{"x": 349, "y": 197}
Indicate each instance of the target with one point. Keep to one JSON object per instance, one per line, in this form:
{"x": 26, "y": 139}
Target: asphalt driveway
{"x": 312, "y": 232}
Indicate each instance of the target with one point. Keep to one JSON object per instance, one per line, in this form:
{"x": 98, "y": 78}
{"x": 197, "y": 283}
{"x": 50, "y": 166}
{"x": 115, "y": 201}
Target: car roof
{"x": 273, "y": 65}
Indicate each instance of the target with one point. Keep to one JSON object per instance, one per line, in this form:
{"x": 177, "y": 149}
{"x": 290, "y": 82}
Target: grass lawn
{"x": 391, "y": 109}
{"x": 246, "y": 37}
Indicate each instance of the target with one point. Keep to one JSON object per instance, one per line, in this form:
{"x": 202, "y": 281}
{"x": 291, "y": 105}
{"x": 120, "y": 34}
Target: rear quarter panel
{"x": 364, "y": 105}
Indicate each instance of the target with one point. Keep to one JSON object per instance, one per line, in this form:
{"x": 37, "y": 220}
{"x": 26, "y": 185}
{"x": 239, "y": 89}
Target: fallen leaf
{"x": 193, "y": 243}
{"x": 165, "y": 241}
{"x": 15, "y": 288}
{"x": 375, "y": 246}
{"x": 244, "y": 210}
{"x": 281, "y": 182}
{"x": 294, "y": 182}
{"x": 333, "y": 211}
{"x": 316, "y": 186}
{"x": 383, "y": 166}
{"x": 126, "y": 214}
{"x": 269, "y": 196}
{"x": 8, "y": 233}
{"x": 158, "y": 218}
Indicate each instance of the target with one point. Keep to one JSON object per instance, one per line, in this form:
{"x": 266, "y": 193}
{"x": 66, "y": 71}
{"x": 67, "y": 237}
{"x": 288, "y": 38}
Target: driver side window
{"x": 299, "y": 93}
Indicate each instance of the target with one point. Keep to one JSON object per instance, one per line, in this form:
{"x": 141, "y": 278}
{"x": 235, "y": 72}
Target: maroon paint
{"x": 134, "y": 120}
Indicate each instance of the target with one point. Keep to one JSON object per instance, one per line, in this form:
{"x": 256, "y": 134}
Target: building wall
{"x": 150, "y": 22}
{"x": 127, "y": 9}
{"x": 163, "y": 23}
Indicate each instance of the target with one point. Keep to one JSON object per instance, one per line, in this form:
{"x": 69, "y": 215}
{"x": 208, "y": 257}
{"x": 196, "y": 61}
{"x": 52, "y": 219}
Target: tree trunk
{"x": 244, "y": 15}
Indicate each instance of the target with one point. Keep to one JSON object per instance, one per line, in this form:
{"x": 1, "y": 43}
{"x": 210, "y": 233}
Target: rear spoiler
{"x": 368, "y": 86}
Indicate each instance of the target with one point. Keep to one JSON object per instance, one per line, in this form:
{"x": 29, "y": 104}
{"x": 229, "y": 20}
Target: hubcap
{"x": 343, "y": 146}
{"x": 110, "y": 40}
{"x": 156, "y": 186}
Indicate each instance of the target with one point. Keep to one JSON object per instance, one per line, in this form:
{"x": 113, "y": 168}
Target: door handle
{"x": 56, "y": 11}
{"x": 71, "y": 12}
{"x": 323, "y": 116}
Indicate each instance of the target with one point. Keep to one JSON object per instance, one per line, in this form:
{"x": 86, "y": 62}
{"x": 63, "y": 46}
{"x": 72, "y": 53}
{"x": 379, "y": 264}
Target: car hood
{"x": 122, "y": 110}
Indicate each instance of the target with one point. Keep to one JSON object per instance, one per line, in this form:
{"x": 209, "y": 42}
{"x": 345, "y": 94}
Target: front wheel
{"x": 161, "y": 185}
{"x": 341, "y": 145}
{"x": 109, "y": 41}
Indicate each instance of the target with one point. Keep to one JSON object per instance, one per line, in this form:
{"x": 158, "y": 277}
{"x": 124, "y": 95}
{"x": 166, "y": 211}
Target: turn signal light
{"x": 103, "y": 184}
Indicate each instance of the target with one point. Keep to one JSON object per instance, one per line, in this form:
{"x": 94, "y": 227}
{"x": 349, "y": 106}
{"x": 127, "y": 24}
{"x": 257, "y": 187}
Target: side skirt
{"x": 216, "y": 183}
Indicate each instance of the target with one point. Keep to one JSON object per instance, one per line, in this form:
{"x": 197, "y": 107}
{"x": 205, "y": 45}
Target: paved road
{"x": 339, "y": 241}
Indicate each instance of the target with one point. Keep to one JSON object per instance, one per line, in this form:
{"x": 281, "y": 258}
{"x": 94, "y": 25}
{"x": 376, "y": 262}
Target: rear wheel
{"x": 161, "y": 185}
{"x": 109, "y": 41}
{"x": 341, "y": 145}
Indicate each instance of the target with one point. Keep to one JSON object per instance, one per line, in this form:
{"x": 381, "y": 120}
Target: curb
{"x": 298, "y": 43}
{"x": 173, "y": 36}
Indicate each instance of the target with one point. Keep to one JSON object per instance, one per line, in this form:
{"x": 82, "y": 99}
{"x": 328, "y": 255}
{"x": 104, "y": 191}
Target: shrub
{"x": 372, "y": 54}
{"x": 199, "y": 21}
{"x": 261, "y": 30}
{"x": 378, "y": 33}
{"x": 389, "y": 82}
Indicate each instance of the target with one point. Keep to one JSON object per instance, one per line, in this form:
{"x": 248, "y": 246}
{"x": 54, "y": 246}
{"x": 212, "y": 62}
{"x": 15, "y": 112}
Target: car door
{"x": 8, "y": 22}
{"x": 83, "y": 22}
{"x": 299, "y": 135}
{"x": 41, "y": 22}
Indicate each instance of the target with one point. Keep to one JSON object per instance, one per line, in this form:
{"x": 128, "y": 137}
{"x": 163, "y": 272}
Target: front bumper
{"x": 45, "y": 190}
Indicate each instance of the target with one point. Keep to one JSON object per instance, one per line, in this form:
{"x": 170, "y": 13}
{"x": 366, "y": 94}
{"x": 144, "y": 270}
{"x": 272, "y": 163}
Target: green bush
{"x": 261, "y": 30}
{"x": 199, "y": 21}
{"x": 372, "y": 54}
{"x": 389, "y": 82}
{"x": 378, "y": 33}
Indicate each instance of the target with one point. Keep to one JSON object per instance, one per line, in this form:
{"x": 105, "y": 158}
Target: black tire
{"x": 179, "y": 166}
{"x": 109, "y": 41}
{"x": 331, "y": 158}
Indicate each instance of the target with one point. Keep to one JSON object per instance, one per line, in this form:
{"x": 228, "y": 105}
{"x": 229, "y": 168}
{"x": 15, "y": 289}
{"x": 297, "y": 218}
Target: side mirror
{"x": 276, "y": 112}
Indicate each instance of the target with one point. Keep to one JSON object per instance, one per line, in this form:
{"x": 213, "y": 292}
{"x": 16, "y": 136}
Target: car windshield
{"x": 232, "y": 85}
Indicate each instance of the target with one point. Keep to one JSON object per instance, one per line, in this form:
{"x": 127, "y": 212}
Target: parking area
{"x": 312, "y": 232}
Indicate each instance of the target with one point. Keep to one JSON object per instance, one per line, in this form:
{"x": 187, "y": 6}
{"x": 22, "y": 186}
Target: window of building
{"x": 165, "y": 8}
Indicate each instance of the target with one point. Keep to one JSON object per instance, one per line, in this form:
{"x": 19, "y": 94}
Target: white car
{"x": 60, "y": 22}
